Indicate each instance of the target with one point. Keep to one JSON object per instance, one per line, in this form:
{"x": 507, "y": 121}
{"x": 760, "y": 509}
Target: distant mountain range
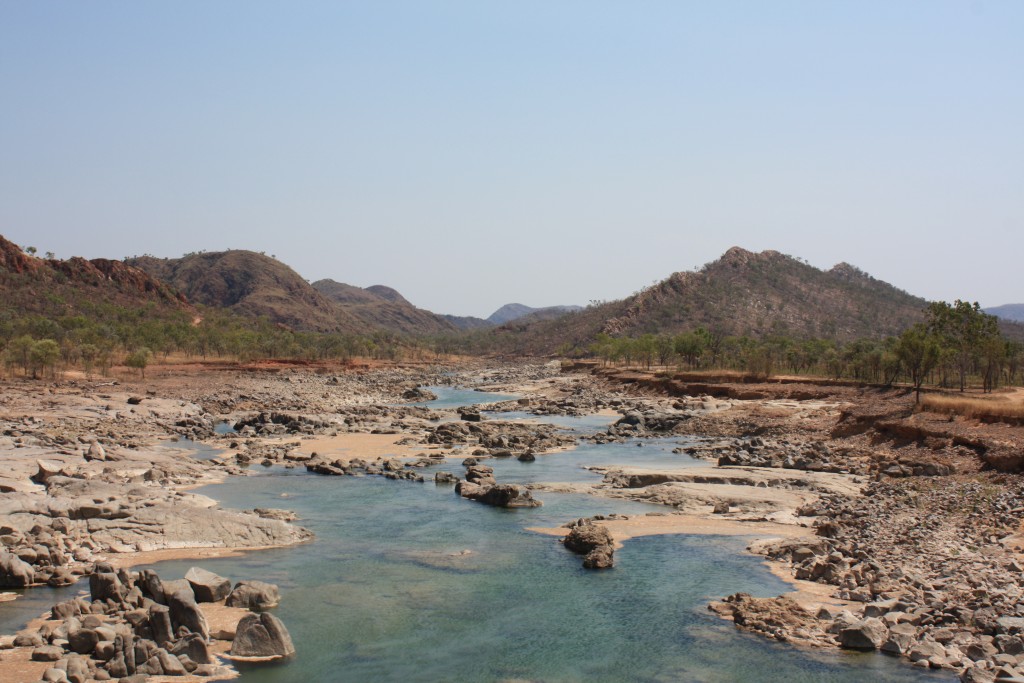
{"x": 742, "y": 293}
{"x": 1014, "y": 312}
{"x": 254, "y": 284}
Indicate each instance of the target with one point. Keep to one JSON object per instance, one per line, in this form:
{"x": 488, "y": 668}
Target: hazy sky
{"x": 471, "y": 154}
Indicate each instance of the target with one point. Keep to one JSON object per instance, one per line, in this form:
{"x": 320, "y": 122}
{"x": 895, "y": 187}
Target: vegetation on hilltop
{"x": 742, "y": 294}
{"x": 251, "y": 284}
{"x": 100, "y": 313}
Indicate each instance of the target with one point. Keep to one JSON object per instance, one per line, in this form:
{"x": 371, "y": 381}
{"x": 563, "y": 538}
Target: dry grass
{"x": 995, "y": 409}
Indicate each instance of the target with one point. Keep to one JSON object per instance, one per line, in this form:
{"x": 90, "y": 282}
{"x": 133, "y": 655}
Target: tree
{"x": 139, "y": 359}
{"x": 918, "y": 351}
{"x": 691, "y": 345}
{"x": 44, "y": 354}
{"x": 88, "y": 353}
{"x": 665, "y": 349}
{"x": 963, "y": 329}
{"x": 19, "y": 351}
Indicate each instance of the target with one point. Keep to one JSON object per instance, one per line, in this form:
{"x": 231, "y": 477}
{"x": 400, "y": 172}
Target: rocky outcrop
{"x": 481, "y": 486}
{"x": 14, "y": 572}
{"x": 207, "y": 586}
{"x": 261, "y": 635}
{"x": 594, "y": 541}
{"x": 126, "y": 631}
{"x": 419, "y": 394}
{"x": 255, "y": 596}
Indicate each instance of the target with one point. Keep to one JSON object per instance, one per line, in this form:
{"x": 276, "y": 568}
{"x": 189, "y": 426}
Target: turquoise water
{"x": 384, "y": 594}
{"x": 454, "y": 397}
{"x": 569, "y": 466}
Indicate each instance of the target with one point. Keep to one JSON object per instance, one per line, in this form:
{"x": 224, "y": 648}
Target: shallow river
{"x": 408, "y": 582}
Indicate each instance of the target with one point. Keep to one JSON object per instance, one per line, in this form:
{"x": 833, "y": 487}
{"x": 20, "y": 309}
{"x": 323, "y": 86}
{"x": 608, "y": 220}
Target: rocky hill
{"x": 468, "y": 322}
{"x": 510, "y": 312}
{"x": 383, "y": 307}
{"x": 251, "y": 284}
{"x": 741, "y": 293}
{"x": 75, "y": 286}
{"x": 1012, "y": 312}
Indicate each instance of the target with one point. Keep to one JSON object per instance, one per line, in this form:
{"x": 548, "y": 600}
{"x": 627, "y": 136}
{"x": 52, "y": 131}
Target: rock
{"x": 160, "y": 624}
{"x": 901, "y": 638}
{"x": 15, "y": 572}
{"x": 83, "y": 641}
{"x": 28, "y": 640}
{"x": 721, "y": 508}
{"x": 207, "y": 586}
{"x": 926, "y": 649}
{"x": 593, "y": 541}
{"x": 867, "y": 634}
{"x": 47, "y": 653}
{"x": 193, "y": 647}
{"x": 77, "y": 669}
{"x": 106, "y": 586}
{"x": 255, "y": 596}
{"x": 602, "y": 557}
{"x": 185, "y": 612}
{"x": 261, "y": 635}
{"x": 95, "y": 452}
{"x": 55, "y": 676}
{"x": 47, "y": 470}
{"x": 509, "y": 496}
{"x": 419, "y": 394}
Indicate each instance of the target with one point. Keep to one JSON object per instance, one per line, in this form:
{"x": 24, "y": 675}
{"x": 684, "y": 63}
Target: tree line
{"x": 956, "y": 343}
{"x": 41, "y": 346}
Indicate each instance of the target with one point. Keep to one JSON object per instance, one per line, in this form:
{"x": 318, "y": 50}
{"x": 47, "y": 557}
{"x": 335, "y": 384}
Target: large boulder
{"x": 595, "y": 542}
{"x": 255, "y": 596}
{"x": 14, "y": 572}
{"x": 186, "y": 613}
{"x": 509, "y": 496}
{"x": 106, "y": 586}
{"x": 261, "y": 635}
{"x": 207, "y": 586}
{"x": 866, "y": 634}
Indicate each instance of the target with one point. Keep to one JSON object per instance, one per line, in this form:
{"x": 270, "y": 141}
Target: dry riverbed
{"x": 892, "y": 527}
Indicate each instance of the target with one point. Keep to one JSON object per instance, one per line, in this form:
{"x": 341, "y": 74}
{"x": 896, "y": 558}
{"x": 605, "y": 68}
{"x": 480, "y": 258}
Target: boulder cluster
{"x": 500, "y": 439}
{"x": 924, "y": 564}
{"x": 593, "y": 541}
{"x": 134, "y": 625}
{"x": 481, "y": 486}
{"x": 390, "y": 468}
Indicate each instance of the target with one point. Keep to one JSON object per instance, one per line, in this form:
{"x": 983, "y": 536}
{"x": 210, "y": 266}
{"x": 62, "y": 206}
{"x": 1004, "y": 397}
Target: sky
{"x": 471, "y": 154}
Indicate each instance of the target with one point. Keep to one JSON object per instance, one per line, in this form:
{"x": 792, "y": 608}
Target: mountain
{"x": 468, "y": 322}
{"x": 510, "y": 312}
{"x": 743, "y": 292}
{"x": 251, "y": 284}
{"x": 1014, "y": 312}
{"x": 76, "y": 286}
{"x": 383, "y": 307}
